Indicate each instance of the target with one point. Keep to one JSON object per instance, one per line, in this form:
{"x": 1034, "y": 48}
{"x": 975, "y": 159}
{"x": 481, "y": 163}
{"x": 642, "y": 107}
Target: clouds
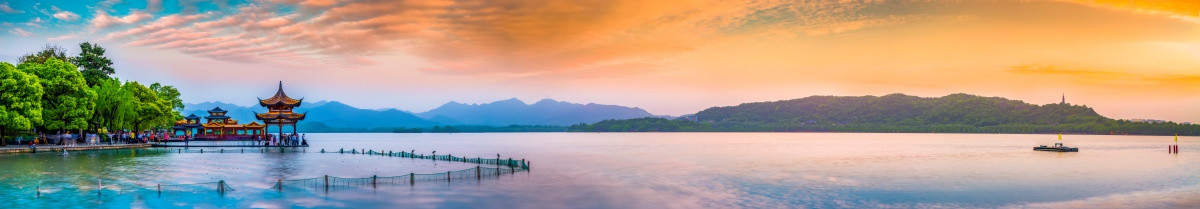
{"x": 4, "y": 8}
{"x": 64, "y": 15}
{"x": 708, "y": 51}
{"x": 102, "y": 20}
{"x": 510, "y": 37}
{"x": 20, "y": 32}
{"x": 154, "y": 5}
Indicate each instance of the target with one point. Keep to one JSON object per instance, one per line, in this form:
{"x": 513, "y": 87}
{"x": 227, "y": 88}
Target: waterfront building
{"x": 279, "y": 111}
{"x": 218, "y": 127}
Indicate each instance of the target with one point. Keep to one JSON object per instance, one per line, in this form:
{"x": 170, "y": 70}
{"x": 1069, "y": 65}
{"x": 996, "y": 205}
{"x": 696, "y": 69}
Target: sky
{"x": 1127, "y": 59}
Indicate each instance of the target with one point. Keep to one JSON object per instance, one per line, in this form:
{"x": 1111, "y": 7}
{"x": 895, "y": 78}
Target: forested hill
{"x": 899, "y": 109}
{"x": 955, "y": 113}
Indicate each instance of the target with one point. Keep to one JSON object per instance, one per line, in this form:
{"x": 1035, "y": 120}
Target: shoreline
{"x": 1065, "y": 133}
{"x": 58, "y": 148}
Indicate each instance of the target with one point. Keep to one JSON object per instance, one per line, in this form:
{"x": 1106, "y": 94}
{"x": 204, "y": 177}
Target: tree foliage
{"x": 67, "y": 102}
{"x": 20, "y": 100}
{"x": 647, "y": 124}
{"x": 148, "y": 110}
{"x": 92, "y": 63}
{"x": 170, "y": 97}
{"x": 114, "y": 105}
{"x": 48, "y": 52}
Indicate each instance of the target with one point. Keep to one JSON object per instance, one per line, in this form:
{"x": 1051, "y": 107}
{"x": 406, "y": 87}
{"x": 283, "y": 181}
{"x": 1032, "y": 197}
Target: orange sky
{"x": 1128, "y": 59}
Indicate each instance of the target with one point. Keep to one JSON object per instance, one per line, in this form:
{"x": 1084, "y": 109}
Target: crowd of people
{"x": 73, "y": 139}
{"x": 286, "y": 140}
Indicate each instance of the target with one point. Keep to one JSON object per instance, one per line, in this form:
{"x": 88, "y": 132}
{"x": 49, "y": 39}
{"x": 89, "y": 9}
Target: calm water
{"x": 650, "y": 170}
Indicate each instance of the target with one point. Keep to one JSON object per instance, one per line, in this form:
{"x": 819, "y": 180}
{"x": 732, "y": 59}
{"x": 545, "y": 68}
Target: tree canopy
{"x": 149, "y": 110}
{"x": 48, "y": 52}
{"x": 20, "y": 99}
{"x": 92, "y": 63}
{"x": 114, "y": 105}
{"x": 67, "y": 102}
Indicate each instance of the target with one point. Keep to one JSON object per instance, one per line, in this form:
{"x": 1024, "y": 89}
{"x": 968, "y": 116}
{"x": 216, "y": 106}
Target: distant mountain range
{"x": 516, "y": 112}
{"x": 330, "y": 115}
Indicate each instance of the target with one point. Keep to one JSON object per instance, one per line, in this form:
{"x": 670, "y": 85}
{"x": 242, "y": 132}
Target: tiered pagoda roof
{"x": 280, "y": 99}
{"x": 216, "y": 113}
{"x": 280, "y": 108}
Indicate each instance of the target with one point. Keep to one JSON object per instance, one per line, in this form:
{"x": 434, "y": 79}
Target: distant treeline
{"x": 956, "y": 113}
{"x": 322, "y": 128}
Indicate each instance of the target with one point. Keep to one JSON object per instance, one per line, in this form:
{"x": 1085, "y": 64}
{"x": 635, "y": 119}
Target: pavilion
{"x": 279, "y": 111}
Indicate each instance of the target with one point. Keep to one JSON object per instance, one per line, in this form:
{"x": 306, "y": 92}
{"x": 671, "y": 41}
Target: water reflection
{"x": 661, "y": 170}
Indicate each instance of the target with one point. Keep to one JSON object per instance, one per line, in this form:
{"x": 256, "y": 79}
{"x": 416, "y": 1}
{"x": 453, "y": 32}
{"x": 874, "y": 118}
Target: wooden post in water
{"x": 412, "y": 178}
{"x": 39, "y": 190}
{"x": 477, "y": 171}
{"x": 279, "y": 185}
{"x": 221, "y": 186}
{"x": 373, "y": 179}
{"x": 447, "y": 176}
{"x": 160, "y": 189}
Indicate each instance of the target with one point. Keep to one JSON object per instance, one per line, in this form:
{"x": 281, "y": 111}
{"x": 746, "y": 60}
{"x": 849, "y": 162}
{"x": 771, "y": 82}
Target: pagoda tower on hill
{"x": 280, "y": 111}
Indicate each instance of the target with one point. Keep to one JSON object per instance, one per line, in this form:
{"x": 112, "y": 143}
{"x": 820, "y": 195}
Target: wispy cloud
{"x": 64, "y": 15}
{"x": 62, "y": 37}
{"x": 4, "y": 8}
{"x": 102, "y": 20}
{"x": 20, "y": 32}
{"x": 518, "y": 37}
{"x": 35, "y": 22}
{"x": 154, "y": 5}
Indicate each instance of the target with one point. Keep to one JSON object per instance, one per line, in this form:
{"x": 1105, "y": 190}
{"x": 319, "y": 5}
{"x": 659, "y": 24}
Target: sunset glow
{"x": 1126, "y": 59}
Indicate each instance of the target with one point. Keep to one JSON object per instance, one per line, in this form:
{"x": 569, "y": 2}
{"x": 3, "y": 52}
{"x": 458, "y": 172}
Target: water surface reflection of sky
{"x": 658, "y": 170}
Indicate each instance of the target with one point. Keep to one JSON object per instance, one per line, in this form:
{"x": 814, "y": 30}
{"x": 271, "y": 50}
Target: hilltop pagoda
{"x": 280, "y": 111}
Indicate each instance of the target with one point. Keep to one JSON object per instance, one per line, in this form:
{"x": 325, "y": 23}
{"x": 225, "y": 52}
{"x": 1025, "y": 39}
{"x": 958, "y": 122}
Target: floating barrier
{"x": 487, "y": 168}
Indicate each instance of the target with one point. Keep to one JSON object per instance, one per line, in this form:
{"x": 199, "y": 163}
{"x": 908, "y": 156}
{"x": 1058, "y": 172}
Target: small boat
{"x": 1058, "y": 147}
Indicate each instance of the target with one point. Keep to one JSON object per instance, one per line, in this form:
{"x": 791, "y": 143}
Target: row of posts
{"x": 221, "y": 187}
{"x": 158, "y": 187}
{"x": 510, "y": 162}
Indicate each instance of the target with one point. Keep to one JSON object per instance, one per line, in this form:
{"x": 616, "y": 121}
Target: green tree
{"x": 48, "y": 52}
{"x": 148, "y": 110}
{"x": 93, "y": 64}
{"x": 114, "y": 105}
{"x": 170, "y": 96}
{"x": 67, "y": 102}
{"x": 20, "y": 100}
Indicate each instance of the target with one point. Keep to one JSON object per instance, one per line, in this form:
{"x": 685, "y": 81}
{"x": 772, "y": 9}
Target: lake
{"x": 644, "y": 170}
